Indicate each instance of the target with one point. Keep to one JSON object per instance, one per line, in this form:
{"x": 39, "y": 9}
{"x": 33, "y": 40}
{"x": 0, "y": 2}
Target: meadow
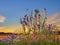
{"x": 39, "y": 32}
{"x": 25, "y": 39}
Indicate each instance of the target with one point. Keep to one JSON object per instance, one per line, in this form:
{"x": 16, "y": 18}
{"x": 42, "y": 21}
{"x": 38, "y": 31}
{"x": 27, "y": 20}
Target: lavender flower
{"x": 38, "y": 27}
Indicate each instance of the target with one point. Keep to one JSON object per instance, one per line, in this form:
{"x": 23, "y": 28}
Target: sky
{"x": 12, "y": 10}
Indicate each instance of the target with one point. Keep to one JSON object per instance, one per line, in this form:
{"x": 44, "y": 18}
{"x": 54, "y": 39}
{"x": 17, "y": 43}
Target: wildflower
{"x": 38, "y": 27}
{"x": 50, "y": 26}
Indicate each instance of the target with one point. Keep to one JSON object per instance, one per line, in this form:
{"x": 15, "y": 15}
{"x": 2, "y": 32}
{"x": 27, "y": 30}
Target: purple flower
{"x": 38, "y": 26}
{"x": 11, "y": 37}
{"x": 49, "y": 26}
{"x": 5, "y": 40}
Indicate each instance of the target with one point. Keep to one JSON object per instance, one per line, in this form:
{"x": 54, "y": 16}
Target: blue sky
{"x": 14, "y": 9}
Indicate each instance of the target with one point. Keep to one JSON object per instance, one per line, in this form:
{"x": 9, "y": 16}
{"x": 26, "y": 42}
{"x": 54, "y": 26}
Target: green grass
{"x": 3, "y": 43}
{"x": 40, "y": 42}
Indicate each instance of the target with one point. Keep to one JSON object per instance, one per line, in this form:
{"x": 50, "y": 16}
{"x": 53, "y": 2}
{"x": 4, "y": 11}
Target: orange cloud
{"x": 11, "y": 28}
{"x": 5, "y": 29}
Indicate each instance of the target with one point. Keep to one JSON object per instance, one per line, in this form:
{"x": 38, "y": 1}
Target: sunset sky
{"x": 12, "y": 10}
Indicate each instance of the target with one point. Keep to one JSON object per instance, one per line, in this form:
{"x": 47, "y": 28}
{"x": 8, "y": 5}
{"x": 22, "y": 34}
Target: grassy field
{"x": 41, "y": 42}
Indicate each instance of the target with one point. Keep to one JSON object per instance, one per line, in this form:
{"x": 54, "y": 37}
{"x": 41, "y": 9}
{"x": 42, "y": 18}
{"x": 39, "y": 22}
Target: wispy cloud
{"x": 2, "y": 18}
{"x": 53, "y": 19}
